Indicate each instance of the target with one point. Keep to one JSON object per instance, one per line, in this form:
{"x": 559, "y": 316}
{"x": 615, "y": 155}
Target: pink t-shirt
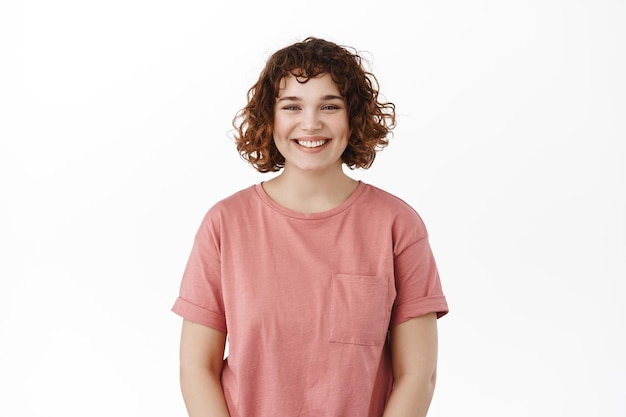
{"x": 307, "y": 299}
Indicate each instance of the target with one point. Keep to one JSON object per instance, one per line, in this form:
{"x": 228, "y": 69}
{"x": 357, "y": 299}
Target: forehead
{"x": 321, "y": 85}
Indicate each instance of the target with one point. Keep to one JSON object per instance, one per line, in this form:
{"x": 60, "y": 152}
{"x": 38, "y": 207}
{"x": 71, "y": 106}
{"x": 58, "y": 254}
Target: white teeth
{"x": 311, "y": 143}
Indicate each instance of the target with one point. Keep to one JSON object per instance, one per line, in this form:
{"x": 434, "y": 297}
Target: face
{"x": 311, "y": 124}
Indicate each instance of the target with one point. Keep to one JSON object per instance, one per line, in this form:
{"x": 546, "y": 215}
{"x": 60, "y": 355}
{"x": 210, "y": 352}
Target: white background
{"x": 511, "y": 143}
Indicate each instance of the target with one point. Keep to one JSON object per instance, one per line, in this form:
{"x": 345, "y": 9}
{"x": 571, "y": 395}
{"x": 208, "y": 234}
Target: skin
{"x": 310, "y": 113}
{"x": 414, "y": 360}
{"x": 311, "y": 131}
{"x": 201, "y": 361}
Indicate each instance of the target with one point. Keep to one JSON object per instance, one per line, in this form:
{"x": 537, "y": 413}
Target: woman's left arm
{"x": 414, "y": 361}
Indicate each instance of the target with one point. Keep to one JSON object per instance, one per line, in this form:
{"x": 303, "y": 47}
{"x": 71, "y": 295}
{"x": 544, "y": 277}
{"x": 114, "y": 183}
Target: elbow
{"x": 424, "y": 383}
{"x": 432, "y": 382}
{"x": 192, "y": 369}
{"x": 194, "y": 374}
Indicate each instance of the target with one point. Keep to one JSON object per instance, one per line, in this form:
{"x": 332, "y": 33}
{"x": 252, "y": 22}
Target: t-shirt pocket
{"x": 359, "y": 311}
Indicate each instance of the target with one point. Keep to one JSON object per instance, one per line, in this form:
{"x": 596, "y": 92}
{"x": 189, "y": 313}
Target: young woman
{"x": 325, "y": 286}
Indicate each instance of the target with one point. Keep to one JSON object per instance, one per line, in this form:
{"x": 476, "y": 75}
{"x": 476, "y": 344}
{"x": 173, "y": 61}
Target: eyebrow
{"x": 324, "y": 98}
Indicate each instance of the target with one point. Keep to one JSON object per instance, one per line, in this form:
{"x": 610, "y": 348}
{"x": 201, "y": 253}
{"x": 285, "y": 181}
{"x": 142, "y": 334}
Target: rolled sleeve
{"x": 418, "y": 285}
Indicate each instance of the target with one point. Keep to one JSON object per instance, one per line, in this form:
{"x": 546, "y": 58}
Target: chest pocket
{"x": 359, "y": 309}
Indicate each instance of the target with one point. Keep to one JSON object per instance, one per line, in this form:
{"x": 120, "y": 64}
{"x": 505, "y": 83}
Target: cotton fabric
{"x": 307, "y": 299}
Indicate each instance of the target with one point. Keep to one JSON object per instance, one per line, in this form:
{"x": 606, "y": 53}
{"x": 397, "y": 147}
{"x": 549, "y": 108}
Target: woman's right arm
{"x": 201, "y": 361}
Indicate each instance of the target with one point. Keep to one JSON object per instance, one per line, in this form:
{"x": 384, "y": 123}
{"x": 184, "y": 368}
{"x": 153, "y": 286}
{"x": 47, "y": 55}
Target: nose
{"x": 311, "y": 121}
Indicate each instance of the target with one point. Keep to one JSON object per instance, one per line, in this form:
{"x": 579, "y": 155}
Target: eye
{"x": 330, "y": 107}
{"x": 291, "y": 107}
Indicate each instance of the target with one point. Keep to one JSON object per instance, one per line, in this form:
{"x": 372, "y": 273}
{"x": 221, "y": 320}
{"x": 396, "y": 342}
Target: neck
{"x": 310, "y": 183}
{"x": 310, "y": 192}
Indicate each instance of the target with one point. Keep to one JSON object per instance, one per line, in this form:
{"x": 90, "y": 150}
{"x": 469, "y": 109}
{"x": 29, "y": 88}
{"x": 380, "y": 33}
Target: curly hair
{"x": 370, "y": 120}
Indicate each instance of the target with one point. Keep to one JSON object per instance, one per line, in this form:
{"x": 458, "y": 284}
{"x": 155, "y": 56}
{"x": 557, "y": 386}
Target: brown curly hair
{"x": 370, "y": 121}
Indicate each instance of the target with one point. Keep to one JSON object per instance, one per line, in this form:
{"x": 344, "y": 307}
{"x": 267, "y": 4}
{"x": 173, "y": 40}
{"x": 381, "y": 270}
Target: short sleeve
{"x": 418, "y": 285}
{"x": 200, "y": 297}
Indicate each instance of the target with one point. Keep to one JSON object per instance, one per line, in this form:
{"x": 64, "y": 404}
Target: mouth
{"x": 312, "y": 143}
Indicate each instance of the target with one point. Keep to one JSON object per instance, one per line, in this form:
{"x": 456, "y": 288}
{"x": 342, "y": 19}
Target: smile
{"x": 311, "y": 143}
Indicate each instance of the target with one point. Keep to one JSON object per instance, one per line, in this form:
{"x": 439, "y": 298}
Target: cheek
{"x": 282, "y": 127}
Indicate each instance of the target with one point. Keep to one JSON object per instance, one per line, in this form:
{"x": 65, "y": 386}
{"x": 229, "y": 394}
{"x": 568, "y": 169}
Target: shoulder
{"x": 403, "y": 217}
{"x": 235, "y": 201}
{"x": 389, "y": 203}
{"x": 230, "y": 206}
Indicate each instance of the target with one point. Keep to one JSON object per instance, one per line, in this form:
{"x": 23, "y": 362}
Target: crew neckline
{"x": 310, "y": 216}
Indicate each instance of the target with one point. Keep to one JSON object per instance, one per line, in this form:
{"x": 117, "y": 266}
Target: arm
{"x": 414, "y": 361}
{"x": 201, "y": 360}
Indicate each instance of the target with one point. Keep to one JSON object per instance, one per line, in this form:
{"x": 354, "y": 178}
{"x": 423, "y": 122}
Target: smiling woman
{"x": 354, "y": 89}
{"x": 332, "y": 308}
{"x": 311, "y": 127}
